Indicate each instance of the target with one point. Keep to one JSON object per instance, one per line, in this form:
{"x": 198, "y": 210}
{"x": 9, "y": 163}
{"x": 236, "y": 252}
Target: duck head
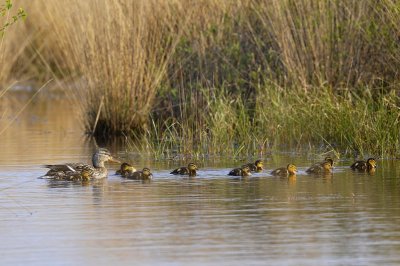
{"x": 371, "y": 163}
{"x": 101, "y": 156}
{"x": 259, "y": 164}
{"x": 292, "y": 169}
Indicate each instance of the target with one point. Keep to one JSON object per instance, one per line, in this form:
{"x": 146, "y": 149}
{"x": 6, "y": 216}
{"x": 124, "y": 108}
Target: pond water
{"x": 348, "y": 218}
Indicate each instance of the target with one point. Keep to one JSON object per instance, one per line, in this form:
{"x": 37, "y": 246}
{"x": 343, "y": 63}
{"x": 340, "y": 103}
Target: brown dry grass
{"x": 173, "y": 59}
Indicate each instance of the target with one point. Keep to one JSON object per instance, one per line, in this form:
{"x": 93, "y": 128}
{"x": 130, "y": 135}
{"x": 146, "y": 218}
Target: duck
{"x": 321, "y": 168}
{"x": 189, "y": 170}
{"x": 125, "y": 169}
{"x": 257, "y": 166}
{"x": 243, "y": 171}
{"x": 329, "y": 160}
{"x": 84, "y": 175}
{"x": 74, "y": 171}
{"x": 368, "y": 165}
{"x": 145, "y": 174}
{"x": 289, "y": 170}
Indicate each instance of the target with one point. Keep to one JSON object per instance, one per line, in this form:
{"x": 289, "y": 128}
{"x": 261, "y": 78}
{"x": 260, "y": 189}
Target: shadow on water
{"x": 346, "y": 218}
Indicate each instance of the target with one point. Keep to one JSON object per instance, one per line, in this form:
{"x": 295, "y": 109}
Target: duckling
{"x": 243, "y": 171}
{"x": 325, "y": 167}
{"x": 125, "y": 169}
{"x": 329, "y": 160}
{"x": 288, "y": 171}
{"x": 84, "y": 175}
{"x": 145, "y": 174}
{"x": 368, "y": 165}
{"x": 189, "y": 170}
{"x": 257, "y": 166}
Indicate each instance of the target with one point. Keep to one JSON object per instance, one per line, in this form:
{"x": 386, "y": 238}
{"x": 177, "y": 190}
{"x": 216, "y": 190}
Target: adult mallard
{"x": 189, "y": 170}
{"x": 288, "y": 171}
{"x": 321, "y": 168}
{"x": 368, "y": 165}
{"x": 74, "y": 171}
{"x": 125, "y": 169}
{"x": 257, "y": 166}
{"x": 243, "y": 171}
{"x": 145, "y": 174}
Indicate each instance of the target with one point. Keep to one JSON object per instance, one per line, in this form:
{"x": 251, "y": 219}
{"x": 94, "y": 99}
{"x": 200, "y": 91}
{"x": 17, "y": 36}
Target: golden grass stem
{"x": 98, "y": 115}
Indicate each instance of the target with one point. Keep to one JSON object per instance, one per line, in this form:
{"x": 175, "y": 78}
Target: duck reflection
{"x": 291, "y": 180}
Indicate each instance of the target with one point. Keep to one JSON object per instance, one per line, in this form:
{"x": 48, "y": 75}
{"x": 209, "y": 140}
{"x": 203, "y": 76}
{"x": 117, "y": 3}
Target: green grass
{"x": 222, "y": 77}
{"x": 281, "y": 120}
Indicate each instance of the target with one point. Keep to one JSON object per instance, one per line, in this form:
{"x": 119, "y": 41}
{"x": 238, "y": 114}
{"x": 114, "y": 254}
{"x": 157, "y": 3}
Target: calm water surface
{"x": 345, "y": 219}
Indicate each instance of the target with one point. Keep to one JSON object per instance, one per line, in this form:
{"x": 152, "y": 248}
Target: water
{"x": 345, "y": 219}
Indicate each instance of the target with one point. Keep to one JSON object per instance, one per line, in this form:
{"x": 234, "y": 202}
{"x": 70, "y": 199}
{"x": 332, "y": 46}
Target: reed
{"x": 316, "y": 118}
{"x": 217, "y": 76}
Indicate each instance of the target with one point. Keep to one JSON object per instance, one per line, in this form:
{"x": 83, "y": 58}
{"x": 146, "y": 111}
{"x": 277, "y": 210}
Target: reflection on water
{"x": 348, "y": 218}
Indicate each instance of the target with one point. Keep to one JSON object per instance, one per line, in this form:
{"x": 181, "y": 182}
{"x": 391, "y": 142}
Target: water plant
{"x": 9, "y": 19}
{"x": 300, "y": 120}
{"x": 237, "y": 77}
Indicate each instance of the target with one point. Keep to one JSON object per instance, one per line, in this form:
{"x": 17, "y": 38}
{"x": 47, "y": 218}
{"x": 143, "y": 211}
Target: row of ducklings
{"x": 324, "y": 167}
{"x": 128, "y": 171}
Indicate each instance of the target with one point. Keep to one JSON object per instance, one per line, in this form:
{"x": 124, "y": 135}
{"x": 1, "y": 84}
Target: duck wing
{"x": 236, "y": 172}
{"x": 180, "y": 171}
{"x": 280, "y": 172}
{"x": 68, "y": 167}
{"x": 360, "y": 165}
{"x": 314, "y": 169}
{"x": 60, "y": 171}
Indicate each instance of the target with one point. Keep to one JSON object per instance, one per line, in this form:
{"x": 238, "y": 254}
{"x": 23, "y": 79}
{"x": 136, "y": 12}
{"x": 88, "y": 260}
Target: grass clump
{"x": 219, "y": 76}
{"x": 283, "y": 120}
{"x": 122, "y": 53}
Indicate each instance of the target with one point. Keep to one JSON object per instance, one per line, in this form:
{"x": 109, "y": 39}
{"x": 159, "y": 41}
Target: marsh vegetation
{"x": 219, "y": 77}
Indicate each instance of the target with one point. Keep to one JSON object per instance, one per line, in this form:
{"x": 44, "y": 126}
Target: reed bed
{"x": 317, "y": 119}
{"x": 218, "y": 76}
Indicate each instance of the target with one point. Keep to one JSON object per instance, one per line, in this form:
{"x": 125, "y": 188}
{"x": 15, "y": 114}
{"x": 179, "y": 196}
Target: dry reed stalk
{"x": 121, "y": 50}
{"x": 210, "y": 59}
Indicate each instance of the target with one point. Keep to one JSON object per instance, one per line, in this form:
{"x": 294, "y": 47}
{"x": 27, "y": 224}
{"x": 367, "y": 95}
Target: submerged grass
{"x": 223, "y": 77}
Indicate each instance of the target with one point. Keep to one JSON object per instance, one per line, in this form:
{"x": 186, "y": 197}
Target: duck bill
{"x": 114, "y": 160}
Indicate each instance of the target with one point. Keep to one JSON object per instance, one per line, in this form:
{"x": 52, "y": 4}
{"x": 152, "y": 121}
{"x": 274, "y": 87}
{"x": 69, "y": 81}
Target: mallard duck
{"x": 243, "y": 171}
{"x": 145, "y": 174}
{"x": 125, "y": 169}
{"x": 257, "y": 166}
{"x": 73, "y": 171}
{"x": 189, "y": 170}
{"x": 325, "y": 167}
{"x": 368, "y": 165}
{"x": 288, "y": 171}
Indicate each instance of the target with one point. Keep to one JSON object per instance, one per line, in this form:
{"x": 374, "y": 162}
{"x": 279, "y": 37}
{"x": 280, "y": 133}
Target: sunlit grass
{"x": 222, "y": 77}
{"x": 315, "y": 119}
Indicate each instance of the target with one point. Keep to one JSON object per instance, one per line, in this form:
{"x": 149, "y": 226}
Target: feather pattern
{"x": 72, "y": 171}
{"x": 189, "y": 170}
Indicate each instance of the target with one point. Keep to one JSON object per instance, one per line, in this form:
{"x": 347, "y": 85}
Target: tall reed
{"x": 121, "y": 50}
{"x": 190, "y": 75}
